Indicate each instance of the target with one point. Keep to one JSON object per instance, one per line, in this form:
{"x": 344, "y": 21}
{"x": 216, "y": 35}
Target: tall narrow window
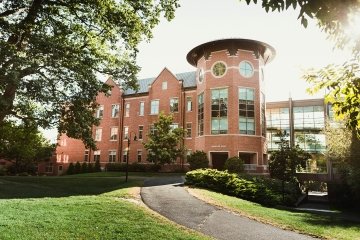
{"x": 86, "y": 156}
{"x": 142, "y": 107}
{"x": 219, "y": 106}
{"x": 263, "y": 116}
{"x": 188, "y": 130}
{"x": 246, "y": 111}
{"x": 141, "y": 129}
{"x": 100, "y": 111}
{"x": 98, "y": 133}
{"x": 114, "y": 133}
{"x": 126, "y": 132}
{"x": 174, "y": 105}
{"x": 125, "y": 155}
{"x": 127, "y": 109}
{"x": 139, "y": 155}
{"x": 97, "y": 155}
{"x": 115, "y": 110}
{"x": 153, "y": 130}
{"x": 154, "y": 107}
{"x": 188, "y": 104}
{"x": 164, "y": 85}
{"x": 201, "y": 114}
{"x": 112, "y": 156}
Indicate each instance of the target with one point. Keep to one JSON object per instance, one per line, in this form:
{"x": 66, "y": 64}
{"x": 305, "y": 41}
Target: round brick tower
{"x": 231, "y": 101}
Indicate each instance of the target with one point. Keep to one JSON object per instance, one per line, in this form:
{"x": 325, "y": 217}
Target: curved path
{"x": 168, "y": 197}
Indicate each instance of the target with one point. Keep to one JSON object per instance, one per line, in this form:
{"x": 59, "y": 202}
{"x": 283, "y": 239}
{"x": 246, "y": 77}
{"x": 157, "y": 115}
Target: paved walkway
{"x": 167, "y": 197}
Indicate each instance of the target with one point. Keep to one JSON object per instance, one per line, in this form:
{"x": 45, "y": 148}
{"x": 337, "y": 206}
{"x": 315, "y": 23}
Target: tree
{"x": 234, "y": 165}
{"x": 286, "y": 160}
{"x": 51, "y": 52}
{"x": 198, "y": 159}
{"x": 164, "y": 142}
{"x": 24, "y": 145}
{"x": 336, "y": 18}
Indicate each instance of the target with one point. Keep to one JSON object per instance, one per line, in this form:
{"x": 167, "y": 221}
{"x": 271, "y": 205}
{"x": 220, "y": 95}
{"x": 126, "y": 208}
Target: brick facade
{"x": 185, "y": 88}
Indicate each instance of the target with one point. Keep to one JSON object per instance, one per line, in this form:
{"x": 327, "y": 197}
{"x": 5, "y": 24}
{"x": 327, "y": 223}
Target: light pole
{"x": 127, "y": 155}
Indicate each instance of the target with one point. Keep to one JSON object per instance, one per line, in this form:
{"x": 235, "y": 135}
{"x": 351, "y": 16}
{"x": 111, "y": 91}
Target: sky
{"x": 196, "y": 22}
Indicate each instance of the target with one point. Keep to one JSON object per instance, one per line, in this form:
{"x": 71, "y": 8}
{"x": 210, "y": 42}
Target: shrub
{"x": 77, "y": 168}
{"x": 198, "y": 159}
{"x": 134, "y": 167}
{"x": 234, "y": 165}
{"x": 71, "y": 169}
{"x": 261, "y": 190}
{"x": 84, "y": 167}
{"x": 90, "y": 168}
{"x": 97, "y": 167}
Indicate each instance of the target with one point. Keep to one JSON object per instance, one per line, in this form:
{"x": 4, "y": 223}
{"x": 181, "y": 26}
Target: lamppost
{"x": 127, "y": 155}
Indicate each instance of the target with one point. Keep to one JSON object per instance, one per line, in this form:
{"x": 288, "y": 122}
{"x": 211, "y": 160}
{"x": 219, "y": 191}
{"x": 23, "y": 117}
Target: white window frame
{"x": 127, "y": 109}
{"x": 98, "y": 134}
{"x": 112, "y": 156}
{"x": 114, "y": 132}
{"x": 141, "y": 108}
{"x": 100, "y": 112}
{"x": 115, "y": 110}
{"x": 154, "y": 108}
{"x": 164, "y": 85}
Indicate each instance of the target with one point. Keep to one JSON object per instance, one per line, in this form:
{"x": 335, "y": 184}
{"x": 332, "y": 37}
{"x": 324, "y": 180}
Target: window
{"x": 63, "y": 142}
{"x": 219, "y": 102}
{"x": 126, "y": 132}
{"x": 154, "y": 107}
{"x": 246, "y": 69}
{"x": 188, "y": 104}
{"x": 98, "y": 133}
{"x": 60, "y": 168}
{"x": 114, "y": 133}
{"x": 173, "y": 126}
{"x": 246, "y": 111}
{"x": 153, "y": 130}
{"x": 141, "y": 110}
{"x": 58, "y": 157}
{"x": 139, "y": 155}
{"x": 100, "y": 111}
{"x": 112, "y": 156}
{"x": 219, "y": 69}
{"x": 164, "y": 85}
{"x": 66, "y": 158}
{"x": 97, "y": 155}
{"x": 263, "y": 116}
{"x": 188, "y": 130}
{"x": 174, "y": 105}
{"x": 115, "y": 110}
{"x": 86, "y": 156}
{"x": 125, "y": 152}
{"x": 201, "y": 114}
{"x": 141, "y": 129}
{"x": 127, "y": 109}
{"x": 201, "y": 75}
{"x": 248, "y": 158}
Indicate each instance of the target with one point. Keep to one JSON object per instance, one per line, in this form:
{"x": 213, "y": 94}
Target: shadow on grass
{"x": 40, "y": 187}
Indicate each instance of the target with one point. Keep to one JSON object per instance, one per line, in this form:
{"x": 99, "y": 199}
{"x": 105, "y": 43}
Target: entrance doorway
{"x": 218, "y": 159}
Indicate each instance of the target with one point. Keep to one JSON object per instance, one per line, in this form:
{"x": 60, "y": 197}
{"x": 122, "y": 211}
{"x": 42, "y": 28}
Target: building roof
{"x": 188, "y": 78}
{"x": 262, "y": 49}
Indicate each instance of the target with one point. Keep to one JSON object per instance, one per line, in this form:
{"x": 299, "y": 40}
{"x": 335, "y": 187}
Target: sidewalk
{"x": 168, "y": 197}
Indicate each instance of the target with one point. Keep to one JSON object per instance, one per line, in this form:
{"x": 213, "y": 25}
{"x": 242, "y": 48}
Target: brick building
{"x": 221, "y": 104}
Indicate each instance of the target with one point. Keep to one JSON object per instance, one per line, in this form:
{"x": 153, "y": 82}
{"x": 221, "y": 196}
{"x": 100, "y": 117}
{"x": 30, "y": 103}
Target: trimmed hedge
{"x": 134, "y": 167}
{"x": 256, "y": 189}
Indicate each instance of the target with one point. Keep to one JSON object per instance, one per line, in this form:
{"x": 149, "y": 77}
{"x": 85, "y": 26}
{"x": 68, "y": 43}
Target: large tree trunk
{"x": 11, "y": 81}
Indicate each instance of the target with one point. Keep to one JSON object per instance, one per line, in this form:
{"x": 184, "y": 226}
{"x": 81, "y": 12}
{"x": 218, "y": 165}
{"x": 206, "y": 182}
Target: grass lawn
{"x": 329, "y": 226}
{"x": 79, "y": 207}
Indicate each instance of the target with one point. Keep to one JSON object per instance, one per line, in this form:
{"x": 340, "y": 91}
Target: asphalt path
{"x": 168, "y": 197}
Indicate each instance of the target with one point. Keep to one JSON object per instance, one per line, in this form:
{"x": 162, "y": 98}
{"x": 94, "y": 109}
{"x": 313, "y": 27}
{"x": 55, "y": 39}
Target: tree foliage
{"x": 51, "y": 52}
{"x": 24, "y": 145}
{"x": 234, "y": 165}
{"x": 164, "y": 142}
{"x": 198, "y": 159}
{"x": 286, "y": 160}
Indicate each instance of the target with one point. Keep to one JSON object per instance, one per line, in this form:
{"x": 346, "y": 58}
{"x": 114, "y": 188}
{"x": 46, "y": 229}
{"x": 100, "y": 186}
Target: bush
{"x": 84, "y": 167}
{"x": 71, "y": 169}
{"x": 261, "y": 190}
{"x": 198, "y": 159}
{"x": 90, "y": 168}
{"x": 234, "y": 165}
{"x": 77, "y": 168}
{"x": 134, "y": 167}
{"x": 97, "y": 167}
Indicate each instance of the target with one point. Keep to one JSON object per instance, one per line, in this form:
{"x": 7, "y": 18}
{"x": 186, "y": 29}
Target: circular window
{"x": 219, "y": 69}
{"x": 201, "y": 75}
{"x": 246, "y": 69}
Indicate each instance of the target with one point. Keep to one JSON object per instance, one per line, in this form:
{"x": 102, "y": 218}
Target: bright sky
{"x": 201, "y": 21}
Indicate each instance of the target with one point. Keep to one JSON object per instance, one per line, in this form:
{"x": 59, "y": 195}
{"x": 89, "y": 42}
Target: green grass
{"x": 331, "y": 226}
{"x": 79, "y": 208}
